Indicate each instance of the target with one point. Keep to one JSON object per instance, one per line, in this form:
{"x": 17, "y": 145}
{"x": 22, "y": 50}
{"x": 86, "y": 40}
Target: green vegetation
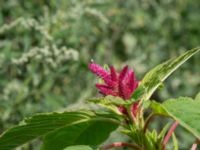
{"x": 46, "y": 45}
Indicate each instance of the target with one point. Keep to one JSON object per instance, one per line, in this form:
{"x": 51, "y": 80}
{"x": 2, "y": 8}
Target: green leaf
{"x": 40, "y": 125}
{"x": 197, "y": 98}
{"x": 111, "y": 103}
{"x": 154, "y": 78}
{"x": 186, "y": 111}
{"x": 137, "y": 94}
{"x": 36, "y": 126}
{"x": 108, "y": 100}
{"x": 158, "y": 109}
{"x": 163, "y": 132}
{"x": 89, "y": 132}
{"x": 80, "y": 147}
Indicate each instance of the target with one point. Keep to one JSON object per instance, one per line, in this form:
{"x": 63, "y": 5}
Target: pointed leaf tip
{"x": 154, "y": 78}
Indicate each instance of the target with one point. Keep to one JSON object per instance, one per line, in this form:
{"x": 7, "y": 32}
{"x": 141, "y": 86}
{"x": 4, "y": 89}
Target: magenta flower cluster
{"x": 116, "y": 84}
{"x": 120, "y": 84}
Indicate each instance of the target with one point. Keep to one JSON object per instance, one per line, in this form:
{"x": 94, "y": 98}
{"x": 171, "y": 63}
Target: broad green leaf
{"x": 88, "y": 132}
{"x": 80, "y": 147}
{"x": 154, "y": 78}
{"x": 40, "y": 125}
{"x": 36, "y": 126}
{"x": 186, "y": 111}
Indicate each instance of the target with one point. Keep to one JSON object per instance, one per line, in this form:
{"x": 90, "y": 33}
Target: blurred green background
{"x": 46, "y": 45}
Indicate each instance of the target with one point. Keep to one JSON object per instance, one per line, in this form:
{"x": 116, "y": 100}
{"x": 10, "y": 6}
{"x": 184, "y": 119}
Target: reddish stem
{"x": 194, "y": 146}
{"x": 121, "y": 144}
{"x": 167, "y": 137}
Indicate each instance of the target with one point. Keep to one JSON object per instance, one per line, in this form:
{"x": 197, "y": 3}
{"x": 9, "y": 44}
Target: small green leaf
{"x": 108, "y": 100}
{"x": 154, "y": 78}
{"x": 161, "y": 135}
{"x": 163, "y": 132}
{"x": 112, "y": 103}
{"x": 175, "y": 142}
{"x": 158, "y": 109}
{"x": 154, "y": 135}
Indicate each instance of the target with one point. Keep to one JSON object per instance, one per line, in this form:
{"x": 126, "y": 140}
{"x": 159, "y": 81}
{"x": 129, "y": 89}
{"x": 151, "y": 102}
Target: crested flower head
{"x": 120, "y": 84}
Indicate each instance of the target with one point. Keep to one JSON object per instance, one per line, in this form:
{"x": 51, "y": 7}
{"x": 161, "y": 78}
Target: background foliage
{"x": 46, "y": 45}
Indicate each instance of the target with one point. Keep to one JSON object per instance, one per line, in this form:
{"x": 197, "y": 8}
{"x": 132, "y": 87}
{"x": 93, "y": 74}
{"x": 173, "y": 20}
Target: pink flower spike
{"x": 120, "y": 84}
{"x": 124, "y": 90}
{"x": 105, "y": 90}
{"x": 130, "y": 78}
{"x": 123, "y": 73}
{"x": 99, "y": 71}
{"x": 113, "y": 74}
